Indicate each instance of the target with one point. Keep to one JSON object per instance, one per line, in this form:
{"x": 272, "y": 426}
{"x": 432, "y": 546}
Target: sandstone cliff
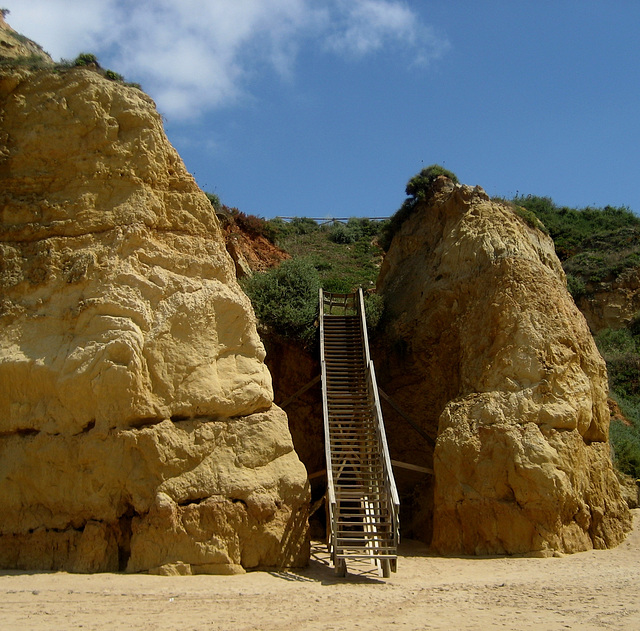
{"x": 614, "y": 304}
{"x": 485, "y": 347}
{"x": 15, "y": 46}
{"x": 136, "y": 419}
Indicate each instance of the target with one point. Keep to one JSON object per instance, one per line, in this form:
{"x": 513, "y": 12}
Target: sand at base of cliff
{"x": 588, "y": 590}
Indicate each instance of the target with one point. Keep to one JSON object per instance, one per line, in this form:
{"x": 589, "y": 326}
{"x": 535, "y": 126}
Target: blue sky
{"x": 327, "y": 107}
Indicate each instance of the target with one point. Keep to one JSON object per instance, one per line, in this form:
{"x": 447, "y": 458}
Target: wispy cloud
{"x": 63, "y": 27}
{"x": 362, "y": 27}
{"x": 193, "y": 56}
{"x": 198, "y": 55}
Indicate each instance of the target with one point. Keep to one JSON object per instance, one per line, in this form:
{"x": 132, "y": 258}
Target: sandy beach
{"x": 590, "y": 590}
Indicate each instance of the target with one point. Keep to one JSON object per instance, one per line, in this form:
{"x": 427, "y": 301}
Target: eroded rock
{"x": 136, "y": 419}
{"x": 614, "y": 304}
{"x": 499, "y": 363}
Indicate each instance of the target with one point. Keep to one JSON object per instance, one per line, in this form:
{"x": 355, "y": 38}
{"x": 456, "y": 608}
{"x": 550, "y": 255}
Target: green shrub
{"x": 86, "y": 59}
{"x": 576, "y": 230}
{"x": 420, "y": 185}
{"x": 31, "y": 62}
{"x": 624, "y": 374}
{"x": 337, "y": 284}
{"x": 303, "y": 225}
{"x": 419, "y": 189}
{"x": 340, "y": 233}
{"x": 530, "y": 218}
{"x": 619, "y": 348}
{"x": 613, "y": 343}
{"x": 113, "y": 76}
{"x": 342, "y": 267}
{"x": 354, "y": 230}
{"x": 215, "y": 201}
{"x": 298, "y": 226}
{"x": 285, "y": 298}
{"x": 89, "y": 60}
{"x": 589, "y": 263}
{"x": 625, "y": 439}
{"x": 576, "y": 286}
{"x": 322, "y": 266}
{"x": 595, "y": 245}
{"x": 374, "y": 309}
{"x": 626, "y": 448}
{"x": 365, "y": 228}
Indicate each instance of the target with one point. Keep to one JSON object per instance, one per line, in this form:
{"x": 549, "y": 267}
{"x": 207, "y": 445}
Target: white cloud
{"x": 367, "y": 24}
{"x": 65, "y": 27}
{"x": 193, "y": 55}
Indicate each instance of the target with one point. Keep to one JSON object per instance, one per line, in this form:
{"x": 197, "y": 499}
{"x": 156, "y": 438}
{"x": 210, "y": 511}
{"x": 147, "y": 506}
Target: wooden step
{"x": 365, "y": 553}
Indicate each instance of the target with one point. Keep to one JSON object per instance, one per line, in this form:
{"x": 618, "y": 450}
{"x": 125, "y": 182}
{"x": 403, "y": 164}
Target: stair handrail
{"x": 379, "y": 423}
{"x": 331, "y": 494}
{"x": 335, "y": 299}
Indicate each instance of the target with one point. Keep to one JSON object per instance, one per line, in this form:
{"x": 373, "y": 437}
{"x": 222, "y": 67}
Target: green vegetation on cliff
{"x": 621, "y": 350}
{"x": 338, "y": 256}
{"x": 595, "y": 245}
{"x": 418, "y": 189}
{"x": 346, "y": 255}
{"x": 285, "y": 298}
{"x": 83, "y": 60}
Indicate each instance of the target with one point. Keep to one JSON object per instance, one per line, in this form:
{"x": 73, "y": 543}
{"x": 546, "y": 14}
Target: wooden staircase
{"x": 362, "y": 499}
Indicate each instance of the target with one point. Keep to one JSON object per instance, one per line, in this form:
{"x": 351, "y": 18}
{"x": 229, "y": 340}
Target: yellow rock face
{"x": 612, "y": 305}
{"x": 503, "y": 365}
{"x": 121, "y": 318}
{"x": 194, "y": 492}
{"x": 119, "y": 300}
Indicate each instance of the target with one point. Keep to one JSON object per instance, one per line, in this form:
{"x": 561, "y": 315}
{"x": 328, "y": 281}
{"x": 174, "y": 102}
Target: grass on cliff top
{"x": 346, "y": 255}
{"x": 595, "y": 245}
{"x": 336, "y": 256}
{"x": 84, "y": 60}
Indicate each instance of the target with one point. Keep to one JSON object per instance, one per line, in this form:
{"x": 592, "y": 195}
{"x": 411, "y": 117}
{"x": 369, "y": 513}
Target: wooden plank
{"x": 405, "y": 416}
{"x": 302, "y": 390}
{"x": 412, "y": 467}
